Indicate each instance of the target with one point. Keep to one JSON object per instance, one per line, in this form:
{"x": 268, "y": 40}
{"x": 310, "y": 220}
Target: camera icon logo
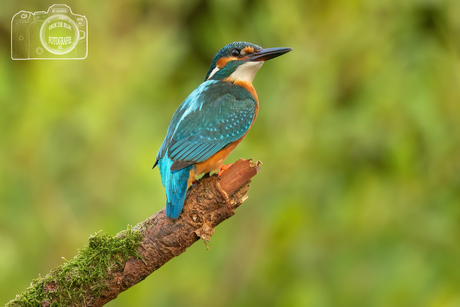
{"x": 54, "y": 34}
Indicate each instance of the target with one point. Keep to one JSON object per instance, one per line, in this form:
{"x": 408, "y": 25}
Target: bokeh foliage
{"x": 358, "y": 200}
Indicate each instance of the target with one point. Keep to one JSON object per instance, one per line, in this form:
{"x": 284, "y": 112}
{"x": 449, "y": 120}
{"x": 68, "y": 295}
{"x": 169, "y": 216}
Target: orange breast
{"x": 212, "y": 164}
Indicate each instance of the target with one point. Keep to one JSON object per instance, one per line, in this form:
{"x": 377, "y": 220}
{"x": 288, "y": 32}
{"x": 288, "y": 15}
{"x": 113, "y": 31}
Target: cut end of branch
{"x": 238, "y": 174}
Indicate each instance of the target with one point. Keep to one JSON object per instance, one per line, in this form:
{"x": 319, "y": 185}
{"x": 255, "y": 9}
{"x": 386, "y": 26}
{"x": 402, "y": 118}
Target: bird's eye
{"x": 235, "y": 52}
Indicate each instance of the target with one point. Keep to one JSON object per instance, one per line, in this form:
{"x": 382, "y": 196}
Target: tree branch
{"x": 110, "y": 265}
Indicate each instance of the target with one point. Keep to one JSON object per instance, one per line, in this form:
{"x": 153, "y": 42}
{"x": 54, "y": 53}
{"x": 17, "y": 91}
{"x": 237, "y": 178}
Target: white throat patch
{"x": 246, "y": 71}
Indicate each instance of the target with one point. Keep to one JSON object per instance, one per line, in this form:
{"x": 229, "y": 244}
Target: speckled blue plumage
{"x": 216, "y": 114}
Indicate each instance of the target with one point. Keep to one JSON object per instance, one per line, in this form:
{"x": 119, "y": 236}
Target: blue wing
{"x": 212, "y": 117}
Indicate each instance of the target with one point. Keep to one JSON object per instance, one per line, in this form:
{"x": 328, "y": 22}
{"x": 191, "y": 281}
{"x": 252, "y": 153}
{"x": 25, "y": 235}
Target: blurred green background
{"x": 358, "y": 199}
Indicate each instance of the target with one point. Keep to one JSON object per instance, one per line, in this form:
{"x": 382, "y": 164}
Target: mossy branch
{"x": 111, "y": 264}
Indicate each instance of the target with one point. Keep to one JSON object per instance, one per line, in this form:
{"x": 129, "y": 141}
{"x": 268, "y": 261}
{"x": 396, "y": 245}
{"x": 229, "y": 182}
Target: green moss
{"x": 86, "y": 275}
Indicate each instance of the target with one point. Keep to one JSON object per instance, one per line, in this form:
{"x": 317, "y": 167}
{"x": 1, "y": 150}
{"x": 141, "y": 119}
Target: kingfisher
{"x": 212, "y": 121}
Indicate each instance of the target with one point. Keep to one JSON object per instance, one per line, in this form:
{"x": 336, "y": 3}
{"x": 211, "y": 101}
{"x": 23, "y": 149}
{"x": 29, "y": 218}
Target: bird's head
{"x": 240, "y": 61}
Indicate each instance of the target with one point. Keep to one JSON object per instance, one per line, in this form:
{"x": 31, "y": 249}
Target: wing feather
{"x": 208, "y": 121}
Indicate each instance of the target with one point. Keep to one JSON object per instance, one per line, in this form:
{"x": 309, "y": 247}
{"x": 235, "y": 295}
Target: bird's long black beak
{"x": 268, "y": 53}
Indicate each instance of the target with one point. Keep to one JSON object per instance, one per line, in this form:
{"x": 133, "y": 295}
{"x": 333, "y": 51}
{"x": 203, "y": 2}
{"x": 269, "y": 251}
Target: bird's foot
{"x": 223, "y": 168}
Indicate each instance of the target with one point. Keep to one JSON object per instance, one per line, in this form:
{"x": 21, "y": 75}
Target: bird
{"x": 211, "y": 121}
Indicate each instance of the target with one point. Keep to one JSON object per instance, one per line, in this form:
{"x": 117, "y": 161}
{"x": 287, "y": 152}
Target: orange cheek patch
{"x": 248, "y": 49}
{"x": 223, "y": 61}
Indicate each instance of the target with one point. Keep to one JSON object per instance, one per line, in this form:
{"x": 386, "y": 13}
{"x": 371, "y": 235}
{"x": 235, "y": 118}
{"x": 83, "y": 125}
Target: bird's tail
{"x": 175, "y": 183}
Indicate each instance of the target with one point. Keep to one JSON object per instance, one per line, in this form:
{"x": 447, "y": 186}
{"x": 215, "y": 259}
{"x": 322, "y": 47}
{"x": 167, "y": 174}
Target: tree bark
{"x": 209, "y": 202}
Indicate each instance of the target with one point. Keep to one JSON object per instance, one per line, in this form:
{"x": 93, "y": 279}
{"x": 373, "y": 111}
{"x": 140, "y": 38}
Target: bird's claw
{"x": 223, "y": 168}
